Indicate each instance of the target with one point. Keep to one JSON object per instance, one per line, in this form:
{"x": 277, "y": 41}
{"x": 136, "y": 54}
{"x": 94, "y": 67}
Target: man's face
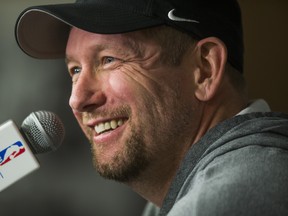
{"x": 136, "y": 111}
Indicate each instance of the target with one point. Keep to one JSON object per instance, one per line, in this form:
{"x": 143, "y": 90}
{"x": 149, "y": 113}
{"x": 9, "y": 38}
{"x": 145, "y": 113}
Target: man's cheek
{"x": 122, "y": 85}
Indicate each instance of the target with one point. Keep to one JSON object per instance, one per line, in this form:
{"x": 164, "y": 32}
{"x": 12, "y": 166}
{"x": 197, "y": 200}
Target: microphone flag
{"x": 16, "y": 157}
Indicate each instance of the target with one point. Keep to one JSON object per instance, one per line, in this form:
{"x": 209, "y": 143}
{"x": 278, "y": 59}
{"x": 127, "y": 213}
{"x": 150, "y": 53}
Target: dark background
{"x": 66, "y": 183}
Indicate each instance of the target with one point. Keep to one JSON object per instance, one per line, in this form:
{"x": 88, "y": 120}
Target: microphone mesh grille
{"x": 44, "y": 130}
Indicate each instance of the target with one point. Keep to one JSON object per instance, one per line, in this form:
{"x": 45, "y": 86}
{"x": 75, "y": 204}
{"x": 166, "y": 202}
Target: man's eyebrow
{"x": 129, "y": 46}
{"x": 96, "y": 48}
{"x": 67, "y": 60}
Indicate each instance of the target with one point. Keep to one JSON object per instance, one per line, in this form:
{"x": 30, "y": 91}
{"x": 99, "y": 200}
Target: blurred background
{"x": 66, "y": 183}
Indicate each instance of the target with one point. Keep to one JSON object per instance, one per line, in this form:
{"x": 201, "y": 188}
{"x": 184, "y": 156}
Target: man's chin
{"x": 121, "y": 169}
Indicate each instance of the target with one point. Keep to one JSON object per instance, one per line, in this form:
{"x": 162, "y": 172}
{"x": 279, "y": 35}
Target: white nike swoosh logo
{"x": 172, "y": 17}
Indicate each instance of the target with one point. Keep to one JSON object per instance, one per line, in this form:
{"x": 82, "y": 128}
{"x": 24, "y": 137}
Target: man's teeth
{"x": 111, "y": 125}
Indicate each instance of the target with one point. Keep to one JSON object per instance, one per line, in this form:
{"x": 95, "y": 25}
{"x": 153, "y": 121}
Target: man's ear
{"x": 211, "y": 60}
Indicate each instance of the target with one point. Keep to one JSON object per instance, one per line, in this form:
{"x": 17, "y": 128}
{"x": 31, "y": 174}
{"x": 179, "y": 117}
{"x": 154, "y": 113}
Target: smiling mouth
{"x": 108, "y": 126}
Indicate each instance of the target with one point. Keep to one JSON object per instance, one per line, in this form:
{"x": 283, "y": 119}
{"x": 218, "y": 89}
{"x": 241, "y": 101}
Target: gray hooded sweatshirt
{"x": 240, "y": 167}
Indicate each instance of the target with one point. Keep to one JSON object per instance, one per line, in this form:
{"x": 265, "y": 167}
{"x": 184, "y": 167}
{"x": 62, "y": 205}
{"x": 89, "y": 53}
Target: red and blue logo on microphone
{"x": 11, "y": 152}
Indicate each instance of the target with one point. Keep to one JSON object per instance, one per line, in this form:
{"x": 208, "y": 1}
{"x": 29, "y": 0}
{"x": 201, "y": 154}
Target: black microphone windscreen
{"x": 44, "y": 130}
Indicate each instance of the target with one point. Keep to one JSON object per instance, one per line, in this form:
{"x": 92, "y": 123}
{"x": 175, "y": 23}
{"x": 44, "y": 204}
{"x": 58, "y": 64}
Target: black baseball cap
{"x": 42, "y": 31}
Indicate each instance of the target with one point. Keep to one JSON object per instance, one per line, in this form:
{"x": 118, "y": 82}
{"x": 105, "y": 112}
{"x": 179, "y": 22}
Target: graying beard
{"x": 128, "y": 164}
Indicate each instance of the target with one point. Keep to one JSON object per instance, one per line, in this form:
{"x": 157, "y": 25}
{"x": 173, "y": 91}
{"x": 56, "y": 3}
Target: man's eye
{"x": 108, "y": 60}
{"x": 75, "y": 70}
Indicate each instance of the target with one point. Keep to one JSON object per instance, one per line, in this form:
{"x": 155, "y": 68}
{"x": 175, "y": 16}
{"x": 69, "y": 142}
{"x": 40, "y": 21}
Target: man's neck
{"x": 154, "y": 183}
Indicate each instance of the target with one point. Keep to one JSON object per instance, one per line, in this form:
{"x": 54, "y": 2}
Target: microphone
{"x": 40, "y": 132}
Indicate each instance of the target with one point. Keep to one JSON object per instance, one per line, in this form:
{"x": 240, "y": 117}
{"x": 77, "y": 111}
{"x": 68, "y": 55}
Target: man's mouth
{"x": 108, "y": 125}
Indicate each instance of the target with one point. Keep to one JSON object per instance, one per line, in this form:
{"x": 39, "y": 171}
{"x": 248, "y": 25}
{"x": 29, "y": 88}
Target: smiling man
{"x": 119, "y": 96}
{"x": 157, "y": 88}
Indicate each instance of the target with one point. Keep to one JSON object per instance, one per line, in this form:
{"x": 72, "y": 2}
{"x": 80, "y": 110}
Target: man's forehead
{"x": 124, "y": 42}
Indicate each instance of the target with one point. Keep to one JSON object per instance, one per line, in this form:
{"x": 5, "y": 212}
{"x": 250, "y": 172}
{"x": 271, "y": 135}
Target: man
{"x": 157, "y": 88}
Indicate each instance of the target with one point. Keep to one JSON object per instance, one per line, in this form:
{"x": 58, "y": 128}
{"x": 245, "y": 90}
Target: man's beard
{"x": 146, "y": 145}
{"x": 127, "y": 164}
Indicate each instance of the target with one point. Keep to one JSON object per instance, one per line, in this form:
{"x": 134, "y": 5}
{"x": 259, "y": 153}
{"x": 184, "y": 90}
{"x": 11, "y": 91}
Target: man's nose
{"x": 86, "y": 94}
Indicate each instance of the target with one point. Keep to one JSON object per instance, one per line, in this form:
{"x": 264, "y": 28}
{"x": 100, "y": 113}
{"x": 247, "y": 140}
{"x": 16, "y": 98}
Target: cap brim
{"x": 42, "y": 31}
